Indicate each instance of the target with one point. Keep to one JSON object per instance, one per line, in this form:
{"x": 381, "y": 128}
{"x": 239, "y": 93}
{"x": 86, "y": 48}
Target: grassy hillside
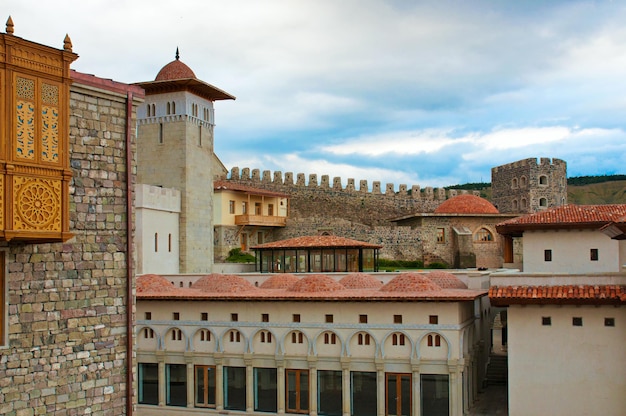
{"x": 613, "y": 192}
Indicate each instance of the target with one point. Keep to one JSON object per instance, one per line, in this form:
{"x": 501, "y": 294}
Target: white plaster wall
{"x": 566, "y": 370}
{"x": 570, "y": 251}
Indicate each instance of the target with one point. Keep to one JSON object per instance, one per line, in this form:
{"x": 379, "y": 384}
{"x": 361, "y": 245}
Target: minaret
{"x": 175, "y": 150}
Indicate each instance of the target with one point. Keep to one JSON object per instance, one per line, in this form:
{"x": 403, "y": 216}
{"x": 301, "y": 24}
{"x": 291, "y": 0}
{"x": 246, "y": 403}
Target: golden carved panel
{"x": 2, "y": 202}
{"x": 36, "y": 204}
{"x": 36, "y": 60}
{"x": 25, "y": 88}
{"x": 25, "y": 130}
{"x": 50, "y": 134}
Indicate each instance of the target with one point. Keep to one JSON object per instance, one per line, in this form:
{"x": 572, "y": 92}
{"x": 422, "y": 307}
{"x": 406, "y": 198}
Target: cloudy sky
{"x": 431, "y": 93}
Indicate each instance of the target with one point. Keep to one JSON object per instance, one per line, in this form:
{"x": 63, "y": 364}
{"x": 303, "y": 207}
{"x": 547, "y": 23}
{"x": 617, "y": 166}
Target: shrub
{"x": 403, "y": 264}
{"x": 437, "y": 265}
{"x": 236, "y": 256}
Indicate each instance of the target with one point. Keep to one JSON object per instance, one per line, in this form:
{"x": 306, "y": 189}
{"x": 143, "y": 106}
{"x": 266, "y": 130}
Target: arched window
{"x": 148, "y": 333}
{"x": 515, "y": 205}
{"x": 543, "y": 180}
{"x": 522, "y": 182}
{"x": 205, "y": 335}
{"x": 437, "y": 341}
{"x": 397, "y": 339}
{"x": 235, "y": 336}
{"x": 297, "y": 337}
{"x": 148, "y": 108}
{"x": 330, "y": 338}
{"x": 364, "y": 339}
{"x": 514, "y": 183}
{"x": 543, "y": 202}
{"x": 524, "y": 204}
{"x": 173, "y": 107}
{"x": 177, "y": 335}
{"x": 169, "y": 108}
{"x": 430, "y": 340}
{"x": 483, "y": 235}
{"x": 153, "y": 110}
{"x": 156, "y": 242}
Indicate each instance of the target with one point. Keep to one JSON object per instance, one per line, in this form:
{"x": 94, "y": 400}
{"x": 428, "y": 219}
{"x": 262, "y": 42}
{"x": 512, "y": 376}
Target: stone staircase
{"x": 497, "y": 370}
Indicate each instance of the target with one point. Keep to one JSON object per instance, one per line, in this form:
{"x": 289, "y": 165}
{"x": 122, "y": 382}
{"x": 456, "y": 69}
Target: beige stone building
{"x": 310, "y": 344}
{"x": 460, "y": 233}
{"x": 566, "y": 314}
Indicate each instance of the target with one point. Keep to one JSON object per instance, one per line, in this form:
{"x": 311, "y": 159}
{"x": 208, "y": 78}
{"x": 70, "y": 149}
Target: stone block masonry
{"x": 67, "y": 338}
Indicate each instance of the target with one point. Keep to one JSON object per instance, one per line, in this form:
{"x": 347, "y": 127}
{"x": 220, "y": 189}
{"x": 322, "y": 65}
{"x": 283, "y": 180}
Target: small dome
{"x": 280, "y": 281}
{"x": 154, "y": 283}
{"x": 175, "y": 70}
{"x": 360, "y": 281}
{"x": 466, "y": 204}
{"x": 222, "y": 283}
{"x": 446, "y": 280}
{"x": 410, "y": 282}
{"x": 316, "y": 283}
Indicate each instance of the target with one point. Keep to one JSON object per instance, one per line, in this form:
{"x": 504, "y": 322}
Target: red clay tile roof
{"x": 174, "y": 70}
{"x": 223, "y": 185}
{"x": 316, "y": 283}
{"x": 466, "y": 204}
{"x": 311, "y": 288}
{"x": 410, "y": 282}
{"x": 316, "y": 241}
{"x": 565, "y": 216}
{"x": 154, "y": 283}
{"x": 223, "y": 283}
{"x": 566, "y": 294}
{"x": 360, "y": 281}
{"x": 280, "y": 281}
{"x": 446, "y": 280}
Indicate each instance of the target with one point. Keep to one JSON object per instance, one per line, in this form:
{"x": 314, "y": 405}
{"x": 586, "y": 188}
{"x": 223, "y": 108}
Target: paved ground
{"x": 491, "y": 402}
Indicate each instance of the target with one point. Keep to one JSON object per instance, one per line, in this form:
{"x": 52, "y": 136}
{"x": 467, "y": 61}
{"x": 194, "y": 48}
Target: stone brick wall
{"x": 66, "y": 352}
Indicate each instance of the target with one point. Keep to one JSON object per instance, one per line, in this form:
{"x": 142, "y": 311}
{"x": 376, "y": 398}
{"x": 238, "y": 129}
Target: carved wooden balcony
{"x": 260, "y": 220}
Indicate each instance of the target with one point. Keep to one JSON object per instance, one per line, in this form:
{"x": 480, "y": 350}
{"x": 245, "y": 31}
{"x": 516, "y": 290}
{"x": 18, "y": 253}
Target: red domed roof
{"x": 316, "y": 283}
{"x": 154, "y": 283}
{"x": 360, "y": 281}
{"x": 175, "y": 70}
{"x": 466, "y": 204}
{"x": 446, "y": 280}
{"x": 410, "y": 282}
{"x": 222, "y": 283}
{"x": 280, "y": 281}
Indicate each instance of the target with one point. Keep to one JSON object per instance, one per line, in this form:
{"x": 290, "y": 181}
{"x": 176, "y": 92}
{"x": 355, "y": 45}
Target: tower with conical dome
{"x": 175, "y": 150}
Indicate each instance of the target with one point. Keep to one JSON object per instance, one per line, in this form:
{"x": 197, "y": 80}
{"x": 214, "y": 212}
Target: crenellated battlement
{"x": 530, "y": 163}
{"x": 285, "y": 182}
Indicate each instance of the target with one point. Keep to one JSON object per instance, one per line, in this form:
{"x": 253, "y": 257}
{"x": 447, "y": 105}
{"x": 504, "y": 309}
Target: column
{"x": 249, "y": 385}
{"x": 313, "y": 386}
{"x": 456, "y": 387}
{"x": 162, "y": 381}
{"x": 190, "y": 380}
{"x": 219, "y": 383}
{"x": 345, "y": 386}
{"x": 416, "y": 391}
{"x": 280, "y": 382}
{"x": 380, "y": 390}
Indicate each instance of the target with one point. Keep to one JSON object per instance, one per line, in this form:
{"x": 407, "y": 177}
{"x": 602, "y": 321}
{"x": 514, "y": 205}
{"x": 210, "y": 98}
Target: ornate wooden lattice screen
{"x": 34, "y": 139}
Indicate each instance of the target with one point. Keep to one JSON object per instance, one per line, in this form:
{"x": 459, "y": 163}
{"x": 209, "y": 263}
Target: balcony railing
{"x": 260, "y": 220}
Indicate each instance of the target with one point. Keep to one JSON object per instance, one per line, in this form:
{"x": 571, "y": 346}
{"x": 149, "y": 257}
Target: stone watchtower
{"x": 529, "y": 185}
{"x": 175, "y": 150}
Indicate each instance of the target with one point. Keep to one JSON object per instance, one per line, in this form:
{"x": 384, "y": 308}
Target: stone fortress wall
{"x": 529, "y": 185}
{"x": 363, "y": 214}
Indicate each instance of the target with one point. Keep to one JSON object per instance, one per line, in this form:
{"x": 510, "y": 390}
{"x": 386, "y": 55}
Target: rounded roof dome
{"x": 175, "y": 70}
{"x": 446, "y": 280}
{"x": 466, "y": 204}
{"x": 316, "y": 283}
{"x": 280, "y": 281}
{"x": 154, "y": 283}
{"x": 410, "y": 282}
{"x": 222, "y": 283}
{"x": 360, "y": 281}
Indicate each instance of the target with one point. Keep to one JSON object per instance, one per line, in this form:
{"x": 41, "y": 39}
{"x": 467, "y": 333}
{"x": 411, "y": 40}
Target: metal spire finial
{"x": 177, "y": 54}
{"x": 9, "y": 29}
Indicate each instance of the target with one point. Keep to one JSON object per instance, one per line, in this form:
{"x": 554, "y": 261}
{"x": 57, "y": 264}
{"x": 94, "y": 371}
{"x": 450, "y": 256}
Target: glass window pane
{"x": 363, "y": 394}
{"x": 265, "y": 393}
{"x": 405, "y": 388}
{"x": 149, "y": 384}
{"x": 353, "y": 260}
{"x": 235, "y": 388}
{"x": 329, "y": 393}
{"x": 368, "y": 260}
{"x": 328, "y": 260}
{"x": 176, "y": 386}
{"x": 434, "y": 394}
{"x": 303, "y": 266}
{"x": 316, "y": 260}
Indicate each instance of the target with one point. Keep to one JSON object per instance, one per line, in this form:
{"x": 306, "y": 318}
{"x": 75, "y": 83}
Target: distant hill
{"x": 581, "y": 190}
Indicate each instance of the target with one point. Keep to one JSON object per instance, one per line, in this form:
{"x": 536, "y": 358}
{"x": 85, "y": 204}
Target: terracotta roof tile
{"x": 316, "y": 283}
{"x": 590, "y": 216}
{"x": 446, "y": 280}
{"x": 317, "y": 241}
{"x": 315, "y": 288}
{"x": 410, "y": 282}
{"x": 224, "y": 283}
{"x": 466, "y": 204}
{"x": 360, "y": 281}
{"x": 280, "y": 281}
{"x": 565, "y": 294}
{"x": 175, "y": 70}
{"x": 154, "y": 283}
